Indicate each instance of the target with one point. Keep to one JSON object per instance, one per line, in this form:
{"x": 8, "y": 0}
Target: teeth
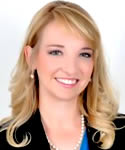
{"x": 65, "y": 81}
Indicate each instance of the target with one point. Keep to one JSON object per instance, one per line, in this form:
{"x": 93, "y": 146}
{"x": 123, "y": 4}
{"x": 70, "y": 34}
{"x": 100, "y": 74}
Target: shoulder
{"x": 4, "y": 144}
{"x": 31, "y": 128}
{"x": 18, "y": 137}
{"x": 119, "y": 122}
{"x": 3, "y": 141}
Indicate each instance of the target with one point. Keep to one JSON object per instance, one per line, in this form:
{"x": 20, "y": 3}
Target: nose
{"x": 70, "y": 66}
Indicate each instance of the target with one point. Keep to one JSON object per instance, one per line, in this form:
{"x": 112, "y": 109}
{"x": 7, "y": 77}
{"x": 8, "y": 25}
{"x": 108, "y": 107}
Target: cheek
{"x": 87, "y": 68}
{"x": 90, "y": 68}
{"x": 42, "y": 65}
{"x": 45, "y": 66}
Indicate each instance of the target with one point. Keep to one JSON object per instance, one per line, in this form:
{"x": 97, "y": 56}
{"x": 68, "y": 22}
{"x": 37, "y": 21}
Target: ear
{"x": 27, "y": 53}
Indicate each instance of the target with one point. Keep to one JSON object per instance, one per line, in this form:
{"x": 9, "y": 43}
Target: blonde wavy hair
{"x": 99, "y": 106}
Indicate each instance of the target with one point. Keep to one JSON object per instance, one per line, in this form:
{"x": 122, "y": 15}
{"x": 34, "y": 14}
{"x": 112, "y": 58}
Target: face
{"x": 64, "y": 62}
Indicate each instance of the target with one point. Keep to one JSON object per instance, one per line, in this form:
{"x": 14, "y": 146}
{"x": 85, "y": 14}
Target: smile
{"x": 67, "y": 82}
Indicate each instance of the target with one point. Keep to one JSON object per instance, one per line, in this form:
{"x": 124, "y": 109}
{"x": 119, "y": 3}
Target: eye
{"x": 87, "y": 55}
{"x": 55, "y": 52}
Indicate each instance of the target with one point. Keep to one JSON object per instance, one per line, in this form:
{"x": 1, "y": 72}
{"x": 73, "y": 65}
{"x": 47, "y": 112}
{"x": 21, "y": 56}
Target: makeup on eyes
{"x": 56, "y": 50}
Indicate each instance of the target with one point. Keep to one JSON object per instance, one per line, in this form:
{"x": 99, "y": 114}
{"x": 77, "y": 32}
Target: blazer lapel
{"x": 35, "y": 128}
{"x": 90, "y": 133}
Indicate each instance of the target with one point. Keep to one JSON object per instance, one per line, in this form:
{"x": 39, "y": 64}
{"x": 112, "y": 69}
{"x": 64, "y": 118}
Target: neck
{"x": 61, "y": 121}
{"x": 63, "y": 112}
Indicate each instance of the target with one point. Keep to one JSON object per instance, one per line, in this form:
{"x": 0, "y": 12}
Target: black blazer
{"x": 39, "y": 141}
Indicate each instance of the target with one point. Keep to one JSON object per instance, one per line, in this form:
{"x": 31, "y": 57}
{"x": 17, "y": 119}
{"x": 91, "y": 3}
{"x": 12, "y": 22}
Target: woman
{"x": 61, "y": 95}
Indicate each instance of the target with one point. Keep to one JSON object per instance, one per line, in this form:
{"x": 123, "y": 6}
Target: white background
{"x": 15, "y": 16}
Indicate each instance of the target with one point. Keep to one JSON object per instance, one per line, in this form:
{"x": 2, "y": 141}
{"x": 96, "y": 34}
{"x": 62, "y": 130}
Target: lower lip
{"x": 67, "y": 85}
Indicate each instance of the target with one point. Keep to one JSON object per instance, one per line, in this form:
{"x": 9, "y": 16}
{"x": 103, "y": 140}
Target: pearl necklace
{"x": 53, "y": 147}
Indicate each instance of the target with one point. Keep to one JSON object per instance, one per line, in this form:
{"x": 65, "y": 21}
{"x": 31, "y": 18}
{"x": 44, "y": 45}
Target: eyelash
{"x": 58, "y": 53}
{"x": 55, "y": 52}
{"x": 85, "y": 54}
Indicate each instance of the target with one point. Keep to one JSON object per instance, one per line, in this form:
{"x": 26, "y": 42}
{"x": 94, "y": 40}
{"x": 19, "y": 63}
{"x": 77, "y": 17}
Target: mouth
{"x": 67, "y": 82}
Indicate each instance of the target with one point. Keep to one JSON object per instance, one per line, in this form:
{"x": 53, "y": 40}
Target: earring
{"x": 32, "y": 75}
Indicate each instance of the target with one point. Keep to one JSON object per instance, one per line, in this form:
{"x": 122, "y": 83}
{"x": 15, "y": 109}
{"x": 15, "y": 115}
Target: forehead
{"x": 58, "y": 32}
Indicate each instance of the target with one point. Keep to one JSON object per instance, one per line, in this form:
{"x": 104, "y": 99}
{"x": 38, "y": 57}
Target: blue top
{"x": 84, "y": 144}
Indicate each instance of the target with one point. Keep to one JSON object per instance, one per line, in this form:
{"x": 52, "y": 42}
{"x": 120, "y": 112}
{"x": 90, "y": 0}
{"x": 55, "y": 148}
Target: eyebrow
{"x": 55, "y": 45}
{"x": 62, "y": 46}
{"x": 87, "y": 48}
